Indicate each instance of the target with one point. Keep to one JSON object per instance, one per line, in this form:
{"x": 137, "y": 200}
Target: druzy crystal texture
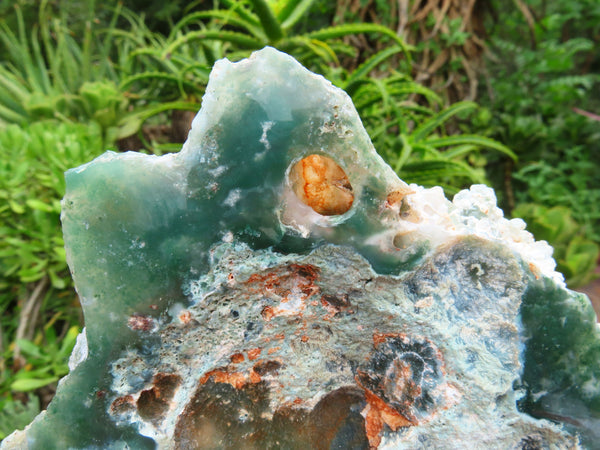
{"x": 274, "y": 285}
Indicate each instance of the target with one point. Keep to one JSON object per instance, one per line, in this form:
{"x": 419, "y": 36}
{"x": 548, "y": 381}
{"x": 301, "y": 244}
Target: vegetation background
{"x": 452, "y": 92}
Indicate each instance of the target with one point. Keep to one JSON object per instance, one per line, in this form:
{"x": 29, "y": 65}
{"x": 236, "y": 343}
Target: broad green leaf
{"x": 56, "y": 281}
{"x": 29, "y": 348}
{"x": 40, "y": 206}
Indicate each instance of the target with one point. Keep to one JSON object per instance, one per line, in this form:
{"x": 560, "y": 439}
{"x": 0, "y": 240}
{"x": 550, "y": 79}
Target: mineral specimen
{"x": 275, "y": 285}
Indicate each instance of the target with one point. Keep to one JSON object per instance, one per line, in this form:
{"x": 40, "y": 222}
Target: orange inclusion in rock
{"x": 236, "y": 379}
{"x": 237, "y": 358}
{"x": 378, "y": 413}
{"x": 323, "y": 185}
{"x": 254, "y": 353}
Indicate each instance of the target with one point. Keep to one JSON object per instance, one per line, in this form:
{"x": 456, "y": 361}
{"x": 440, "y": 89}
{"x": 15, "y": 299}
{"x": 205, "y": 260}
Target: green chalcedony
{"x": 137, "y": 226}
{"x": 562, "y": 357}
{"x": 148, "y": 237}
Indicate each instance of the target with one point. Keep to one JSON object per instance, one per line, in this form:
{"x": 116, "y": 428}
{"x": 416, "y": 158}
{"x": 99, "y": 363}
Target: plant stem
{"x": 27, "y": 313}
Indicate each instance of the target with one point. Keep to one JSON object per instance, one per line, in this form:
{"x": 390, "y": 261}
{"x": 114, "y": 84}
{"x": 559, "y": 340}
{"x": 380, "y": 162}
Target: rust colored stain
{"x": 122, "y": 404}
{"x": 308, "y": 271}
{"x": 273, "y": 350}
{"x": 254, "y": 353}
{"x": 380, "y": 338}
{"x": 268, "y": 313}
{"x": 237, "y": 358}
{"x": 304, "y": 338}
{"x": 396, "y": 201}
{"x": 185, "y": 317}
{"x": 292, "y": 286}
{"x": 322, "y": 184}
{"x": 373, "y": 426}
{"x": 254, "y": 377}
{"x": 139, "y": 322}
{"x": 534, "y": 270}
{"x": 408, "y": 385}
{"x": 239, "y": 380}
{"x": 378, "y": 414}
{"x": 236, "y": 379}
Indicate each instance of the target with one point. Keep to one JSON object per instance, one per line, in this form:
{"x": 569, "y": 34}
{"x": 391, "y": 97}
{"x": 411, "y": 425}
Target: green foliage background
{"x": 80, "y": 77}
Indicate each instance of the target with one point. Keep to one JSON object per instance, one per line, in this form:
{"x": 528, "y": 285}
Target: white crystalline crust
{"x": 80, "y": 351}
{"x": 474, "y": 212}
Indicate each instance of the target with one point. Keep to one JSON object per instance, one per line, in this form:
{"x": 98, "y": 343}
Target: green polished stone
{"x": 223, "y": 312}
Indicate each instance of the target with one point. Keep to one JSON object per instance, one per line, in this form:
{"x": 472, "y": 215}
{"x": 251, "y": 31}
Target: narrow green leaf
{"x": 410, "y": 87}
{"x": 176, "y": 79}
{"x": 293, "y": 12}
{"x": 283, "y": 9}
{"x": 30, "y": 384}
{"x": 471, "y": 139}
{"x": 423, "y": 130}
{"x": 431, "y": 172}
{"x": 458, "y": 151}
{"x": 16, "y": 207}
{"x": 227, "y": 17}
{"x": 13, "y": 84}
{"x": 41, "y": 63}
{"x": 365, "y": 68}
{"x": 238, "y": 7}
{"x": 271, "y": 26}
{"x": 11, "y": 116}
{"x": 56, "y": 281}
{"x": 321, "y": 49}
{"x": 405, "y": 153}
{"x": 129, "y": 124}
{"x": 360, "y": 28}
{"x": 39, "y": 205}
{"x": 223, "y": 36}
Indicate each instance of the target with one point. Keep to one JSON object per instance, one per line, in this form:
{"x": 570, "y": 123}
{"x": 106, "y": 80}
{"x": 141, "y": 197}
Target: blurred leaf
{"x": 31, "y": 384}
